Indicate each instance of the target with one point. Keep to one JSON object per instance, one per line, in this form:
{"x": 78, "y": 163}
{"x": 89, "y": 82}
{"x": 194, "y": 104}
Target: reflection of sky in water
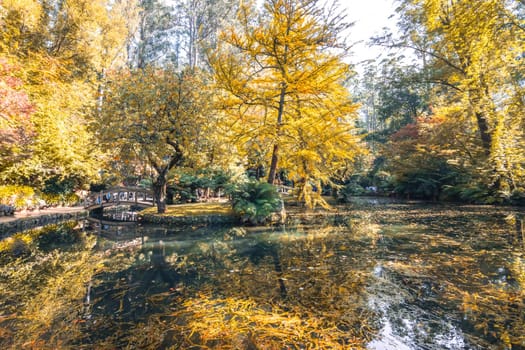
{"x": 386, "y": 340}
{"x": 405, "y": 327}
{"x": 420, "y": 263}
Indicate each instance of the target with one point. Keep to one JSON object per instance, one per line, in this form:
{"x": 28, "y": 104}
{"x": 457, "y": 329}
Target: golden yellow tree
{"x": 61, "y": 48}
{"x": 281, "y": 75}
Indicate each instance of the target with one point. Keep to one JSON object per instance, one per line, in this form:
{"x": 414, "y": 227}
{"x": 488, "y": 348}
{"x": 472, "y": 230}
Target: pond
{"x": 374, "y": 274}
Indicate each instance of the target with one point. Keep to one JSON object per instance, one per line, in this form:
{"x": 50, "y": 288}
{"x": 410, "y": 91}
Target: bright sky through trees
{"x": 369, "y": 17}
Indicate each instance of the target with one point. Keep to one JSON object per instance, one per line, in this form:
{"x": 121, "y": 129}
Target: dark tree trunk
{"x": 161, "y": 181}
{"x": 273, "y": 164}
{"x": 275, "y": 153}
{"x": 486, "y": 137}
{"x": 159, "y": 193}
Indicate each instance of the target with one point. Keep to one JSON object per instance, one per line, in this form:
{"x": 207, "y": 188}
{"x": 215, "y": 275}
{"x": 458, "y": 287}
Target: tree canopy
{"x": 137, "y": 88}
{"x": 469, "y": 73}
{"x": 153, "y": 118}
{"x": 281, "y": 77}
{"x": 53, "y": 53}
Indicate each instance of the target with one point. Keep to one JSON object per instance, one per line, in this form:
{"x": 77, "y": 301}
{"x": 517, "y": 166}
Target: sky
{"x": 369, "y": 17}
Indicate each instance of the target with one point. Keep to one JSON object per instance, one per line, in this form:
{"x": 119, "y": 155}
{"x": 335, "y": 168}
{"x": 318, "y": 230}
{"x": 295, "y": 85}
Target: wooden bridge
{"x": 120, "y": 196}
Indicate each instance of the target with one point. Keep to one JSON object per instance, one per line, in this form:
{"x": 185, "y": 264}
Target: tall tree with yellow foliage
{"x": 473, "y": 58}
{"x": 280, "y": 73}
{"x": 61, "y": 48}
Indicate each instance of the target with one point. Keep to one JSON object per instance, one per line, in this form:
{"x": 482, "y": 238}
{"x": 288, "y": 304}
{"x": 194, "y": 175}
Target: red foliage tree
{"x": 16, "y": 129}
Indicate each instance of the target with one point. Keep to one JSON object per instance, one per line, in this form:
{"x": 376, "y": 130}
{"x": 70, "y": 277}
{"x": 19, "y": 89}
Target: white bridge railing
{"x": 120, "y": 196}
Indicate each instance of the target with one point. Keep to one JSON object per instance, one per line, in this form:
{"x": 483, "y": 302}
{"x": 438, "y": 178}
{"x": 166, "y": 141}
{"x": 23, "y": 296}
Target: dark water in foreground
{"x": 379, "y": 276}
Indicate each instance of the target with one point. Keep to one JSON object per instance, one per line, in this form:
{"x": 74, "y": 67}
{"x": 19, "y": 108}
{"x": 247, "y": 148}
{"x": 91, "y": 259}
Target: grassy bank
{"x": 194, "y": 209}
{"x": 191, "y": 213}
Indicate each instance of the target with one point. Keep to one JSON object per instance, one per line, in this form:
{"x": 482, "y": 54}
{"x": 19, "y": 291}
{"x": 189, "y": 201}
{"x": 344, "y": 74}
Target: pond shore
{"x": 190, "y": 214}
{"x": 203, "y": 213}
{"x": 25, "y": 220}
{"x": 217, "y": 213}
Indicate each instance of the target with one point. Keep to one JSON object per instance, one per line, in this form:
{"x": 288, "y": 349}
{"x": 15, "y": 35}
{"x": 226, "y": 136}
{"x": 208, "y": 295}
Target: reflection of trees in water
{"x": 38, "y": 294}
{"x": 517, "y": 237}
{"x": 263, "y": 250}
{"x": 139, "y": 283}
{"x": 282, "y": 280}
{"x": 264, "y": 290}
{"x": 440, "y": 277}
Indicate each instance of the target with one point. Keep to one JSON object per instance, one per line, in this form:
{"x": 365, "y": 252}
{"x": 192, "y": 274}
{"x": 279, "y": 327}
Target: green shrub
{"x": 351, "y": 189}
{"x": 473, "y": 192}
{"x": 255, "y": 201}
{"x": 71, "y": 199}
{"x": 52, "y": 199}
{"x": 517, "y": 197}
{"x": 187, "y": 184}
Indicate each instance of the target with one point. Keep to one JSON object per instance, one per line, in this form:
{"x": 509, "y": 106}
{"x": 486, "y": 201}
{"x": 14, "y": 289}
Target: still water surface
{"x": 375, "y": 274}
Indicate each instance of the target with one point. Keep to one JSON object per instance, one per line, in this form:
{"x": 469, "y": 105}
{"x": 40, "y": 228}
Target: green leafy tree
{"x": 197, "y": 23}
{"x": 151, "y": 43}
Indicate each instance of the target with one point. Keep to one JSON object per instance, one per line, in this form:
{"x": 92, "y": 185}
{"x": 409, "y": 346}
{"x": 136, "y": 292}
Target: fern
{"x": 255, "y": 202}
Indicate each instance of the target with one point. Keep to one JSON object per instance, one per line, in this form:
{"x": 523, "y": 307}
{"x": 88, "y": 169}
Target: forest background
{"x": 206, "y": 93}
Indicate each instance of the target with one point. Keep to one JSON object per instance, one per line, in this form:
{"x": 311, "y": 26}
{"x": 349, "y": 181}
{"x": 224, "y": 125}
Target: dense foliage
{"x": 449, "y": 123}
{"x": 130, "y": 91}
{"x": 52, "y": 53}
{"x": 280, "y": 73}
{"x": 190, "y": 185}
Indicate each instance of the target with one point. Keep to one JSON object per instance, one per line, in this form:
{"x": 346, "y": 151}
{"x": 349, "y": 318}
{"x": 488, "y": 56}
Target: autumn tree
{"x": 61, "y": 49}
{"x": 16, "y": 128}
{"x": 418, "y": 161}
{"x": 153, "y": 117}
{"x": 281, "y": 77}
{"x": 472, "y": 60}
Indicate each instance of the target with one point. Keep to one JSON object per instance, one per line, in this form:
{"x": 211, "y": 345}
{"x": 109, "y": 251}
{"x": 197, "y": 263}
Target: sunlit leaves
{"x": 148, "y": 109}
{"x": 61, "y": 147}
{"x": 282, "y": 78}
{"x": 59, "y": 49}
{"x": 153, "y": 118}
{"x": 471, "y": 59}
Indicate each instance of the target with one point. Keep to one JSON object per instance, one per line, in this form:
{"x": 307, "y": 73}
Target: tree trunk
{"x": 275, "y": 153}
{"x": 273, "y": 164}
{"x": 159, "y": 193}
{"x": 486, "y": 137}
